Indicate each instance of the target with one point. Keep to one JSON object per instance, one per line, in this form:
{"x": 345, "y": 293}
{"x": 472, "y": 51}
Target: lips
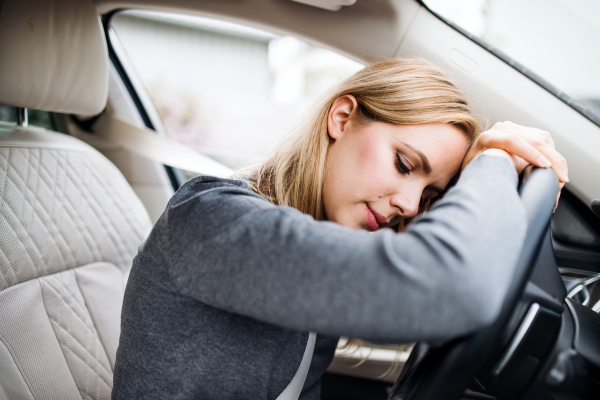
{"x": 374, "y": 219}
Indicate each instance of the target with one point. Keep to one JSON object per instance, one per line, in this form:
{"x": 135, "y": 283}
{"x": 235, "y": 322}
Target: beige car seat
{"x": 70, "y": 224}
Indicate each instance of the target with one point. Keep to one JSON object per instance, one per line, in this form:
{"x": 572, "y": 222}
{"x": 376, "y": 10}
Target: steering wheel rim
{"x": 443, "y": 373}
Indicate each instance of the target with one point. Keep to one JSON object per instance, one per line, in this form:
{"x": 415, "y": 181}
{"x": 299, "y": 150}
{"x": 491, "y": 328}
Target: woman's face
{"x": 378, "y": 173}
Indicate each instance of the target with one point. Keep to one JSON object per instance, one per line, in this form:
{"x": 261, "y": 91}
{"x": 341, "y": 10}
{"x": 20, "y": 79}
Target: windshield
{"x": 554, "y": 42}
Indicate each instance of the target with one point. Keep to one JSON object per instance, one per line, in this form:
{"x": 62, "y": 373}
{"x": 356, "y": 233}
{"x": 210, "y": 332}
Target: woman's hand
{"x": 523, "y": 145}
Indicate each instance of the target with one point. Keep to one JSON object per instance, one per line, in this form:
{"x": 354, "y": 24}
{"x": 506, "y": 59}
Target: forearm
{"x": 446, "y": 275}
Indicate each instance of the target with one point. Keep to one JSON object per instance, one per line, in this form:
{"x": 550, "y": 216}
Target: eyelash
{"x": 403, "y": 169}
{"x": 401, "y": 166}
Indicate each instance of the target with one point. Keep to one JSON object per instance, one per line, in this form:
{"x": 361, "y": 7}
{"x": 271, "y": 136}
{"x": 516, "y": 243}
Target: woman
{"x": 225, "y": 289}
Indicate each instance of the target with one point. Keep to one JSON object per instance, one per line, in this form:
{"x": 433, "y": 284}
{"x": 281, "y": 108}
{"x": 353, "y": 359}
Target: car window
{"x": 8, "y": 115}
{"x": 554, "y": 42}
{"x": 230, "y": 91}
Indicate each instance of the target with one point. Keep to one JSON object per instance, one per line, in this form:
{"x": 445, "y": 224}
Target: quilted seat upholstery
{"x": 70, "y": 226}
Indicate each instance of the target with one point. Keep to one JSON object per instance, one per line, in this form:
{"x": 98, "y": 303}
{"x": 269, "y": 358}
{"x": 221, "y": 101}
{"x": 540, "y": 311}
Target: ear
{"x": 341, "y": 113}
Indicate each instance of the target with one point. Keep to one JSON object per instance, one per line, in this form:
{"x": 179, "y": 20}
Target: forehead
{"x": 443, "y": 141}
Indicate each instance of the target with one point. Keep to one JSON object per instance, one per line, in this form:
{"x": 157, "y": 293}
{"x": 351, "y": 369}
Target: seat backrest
{"x": 70, "y": 224}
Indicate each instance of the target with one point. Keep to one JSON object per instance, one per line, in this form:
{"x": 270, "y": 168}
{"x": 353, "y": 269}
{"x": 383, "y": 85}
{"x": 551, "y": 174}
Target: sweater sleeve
{"x": 446, "y": 275}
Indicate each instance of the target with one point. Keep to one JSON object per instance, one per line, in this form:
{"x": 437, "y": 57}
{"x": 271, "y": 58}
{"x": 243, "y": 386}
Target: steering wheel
{"x": 444, "y": 372}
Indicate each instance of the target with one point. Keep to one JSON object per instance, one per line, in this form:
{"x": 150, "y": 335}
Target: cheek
{"x": 373, "y": 164}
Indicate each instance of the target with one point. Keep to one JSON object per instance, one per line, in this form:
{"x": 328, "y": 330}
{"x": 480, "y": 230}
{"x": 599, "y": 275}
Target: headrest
{"x": 53, "y": 56}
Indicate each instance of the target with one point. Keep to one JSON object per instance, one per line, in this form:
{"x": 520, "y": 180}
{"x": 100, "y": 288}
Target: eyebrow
{"x": 426, "y": 166}
{"x": 424, "y": 160}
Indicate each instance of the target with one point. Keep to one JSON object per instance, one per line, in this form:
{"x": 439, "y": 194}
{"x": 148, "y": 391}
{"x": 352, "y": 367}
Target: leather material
{"x": 62, "y": 208}
{"x": 70, "y": 226}
{"x": 77, "y": 336}
{"x": 12, "y": 384}
{"x": 53, "y": 56}
{"x": 27, "y": 332}
{"x": 102, "y": 286}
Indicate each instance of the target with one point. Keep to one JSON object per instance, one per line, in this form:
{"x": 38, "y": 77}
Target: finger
{"x": 516, "y": 145}
{"x": 541, "y": 140}
{"x": 557, "y": 160}
{"x": 510, "y": 131}
{"x": 534, "y": 151}
{"x": 529, "y": 131}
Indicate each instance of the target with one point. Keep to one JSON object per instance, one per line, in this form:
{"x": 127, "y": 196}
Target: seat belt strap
{"x": 292, "y": 391}
{"x": 148, "y": 143}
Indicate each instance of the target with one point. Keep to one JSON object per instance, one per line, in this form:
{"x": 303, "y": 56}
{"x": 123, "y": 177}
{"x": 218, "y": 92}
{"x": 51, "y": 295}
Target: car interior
{"x": 87, "y": 166}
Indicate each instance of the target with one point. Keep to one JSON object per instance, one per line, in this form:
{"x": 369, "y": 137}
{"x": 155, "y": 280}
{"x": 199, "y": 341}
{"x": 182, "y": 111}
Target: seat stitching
{"x": 28, "y": 237}
{"x": 137, "y": 224}
{"x": 65, "y": 329}
{"x": 83, "y": 227}
{"x": 22, "y": 240}
{"x": 76, "y": 217}
{"x": 110, "y": 232}
{"x": 60, "y": 346}
{"x": 93, "y": 322}
{"x": 50, "y": 213}
{"x": 4, "y": 281}
{"x": 35, "y": 202}
{"x": 86, "y": 362}
{"x": 19, "y": 216}
{"x": 112, "y": 194}
{"x": 70, "y": 297}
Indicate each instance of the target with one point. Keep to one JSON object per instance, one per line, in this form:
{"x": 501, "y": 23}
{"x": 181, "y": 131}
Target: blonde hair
{"x": 407, "y": 91}
{"x": 396, "y": 91}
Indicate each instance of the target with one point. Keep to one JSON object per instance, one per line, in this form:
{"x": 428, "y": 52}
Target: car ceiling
{"x": 365, "y": 31}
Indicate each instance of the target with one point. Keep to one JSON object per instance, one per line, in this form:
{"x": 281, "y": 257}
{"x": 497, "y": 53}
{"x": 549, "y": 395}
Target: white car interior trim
{"x": 103, "y": 287}
{"x": 148, "y": 143}
{"x": 148, "y": 178}
{"x": 33, "y": 343}
{"x": 331, "y": 5}
{"x": 365, "y": 31}
{"x": 34, "y": 137}
{"x": 70, "y": 227}
{"x": 502, "y": 93}
{"x": 53, "y": 218}
{"x": 12, "y": 384}
{"x": 79, "y": 341}
{"x": 53, "y": 56}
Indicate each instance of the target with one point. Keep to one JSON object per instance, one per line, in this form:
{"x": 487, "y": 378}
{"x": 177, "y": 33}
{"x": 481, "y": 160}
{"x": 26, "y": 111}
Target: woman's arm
{"x": 445, "y": 276}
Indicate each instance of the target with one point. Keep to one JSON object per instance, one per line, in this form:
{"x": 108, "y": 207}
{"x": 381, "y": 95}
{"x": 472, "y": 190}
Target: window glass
{"x": 8, "y": 115}
{"x": 557, "y": 40}
{"x": 227, "y": 90}
{"x": 41, "y": 118}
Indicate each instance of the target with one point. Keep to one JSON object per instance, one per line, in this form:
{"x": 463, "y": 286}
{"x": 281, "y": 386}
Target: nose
{"x": 407, "y": 202}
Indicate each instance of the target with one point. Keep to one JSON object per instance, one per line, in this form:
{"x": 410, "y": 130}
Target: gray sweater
{"x": 223, "y": 292}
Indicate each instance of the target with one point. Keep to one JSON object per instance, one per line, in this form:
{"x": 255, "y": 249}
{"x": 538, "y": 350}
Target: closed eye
{"x": 400, "y": 165}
